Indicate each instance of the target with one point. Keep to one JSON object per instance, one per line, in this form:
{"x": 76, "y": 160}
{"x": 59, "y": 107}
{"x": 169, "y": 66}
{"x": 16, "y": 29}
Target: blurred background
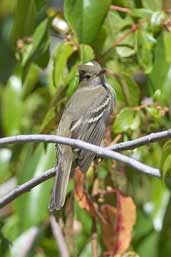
{"x": 41, "y": 44}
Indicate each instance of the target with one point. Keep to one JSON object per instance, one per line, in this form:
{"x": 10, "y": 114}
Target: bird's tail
{"x": 61, "y": 182}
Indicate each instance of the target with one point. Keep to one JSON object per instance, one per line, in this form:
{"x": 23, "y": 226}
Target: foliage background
{"x": 38, "y": 73}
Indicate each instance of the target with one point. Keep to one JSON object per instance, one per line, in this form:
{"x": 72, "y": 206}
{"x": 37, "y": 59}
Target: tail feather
{"x": 61, "y": 182}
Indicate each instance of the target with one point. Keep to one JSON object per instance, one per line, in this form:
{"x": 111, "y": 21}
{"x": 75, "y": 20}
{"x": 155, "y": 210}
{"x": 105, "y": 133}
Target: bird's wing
{"x": 90, "y": 128}
{"x": 94, "y": 135}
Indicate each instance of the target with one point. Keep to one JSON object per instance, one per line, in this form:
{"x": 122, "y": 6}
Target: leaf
{"x": 112, "y": 28}
{"x": 166, "y": 163}
{"x": 24, "y": 242}
{"x": 118, "y": 224}
{"x": 130, "y": 90}
{"x": 5, "y": 158}
{"x": 161, "y": 74}
{"x": 167, "y": 45}
{"x": 86, "y": 53}
{"x": 155, "y": 5}
{"x": 63, "y": 52}
{"x": 164, "y": 246}
{"x": 149, "y": 245}
{"x": 81, "y": 196}
{"x": 145, "y": 45}
{"x": 125, "y": 120}
{"x": 124, "y": 51}
{"x": 12, "y": 106}
{"x": 38, "y": 198}
{"x": 24, "y": 21}
{"x": 156, "y": 21}
{"x": 39, "y": 45}
{"x": 86, "y": 17}
{"x": 154, "y": 112}
{"x": 140, "y": 13}
{"x": 31, "y": 80}
{"x": 33, "y": 206}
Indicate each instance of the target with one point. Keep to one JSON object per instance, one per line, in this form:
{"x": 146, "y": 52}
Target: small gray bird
{"x": 85, "y": 118}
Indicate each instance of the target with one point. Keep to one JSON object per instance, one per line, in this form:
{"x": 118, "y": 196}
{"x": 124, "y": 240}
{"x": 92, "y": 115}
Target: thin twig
{"x": 19, "y": 190}
{"x": 132, "y": 144}
{"x": 94, "y": 239}
{"x": 119, "y": 8}
{"x": 59, "y": 238}
{"x": 98, "y": 150}
{"x": 121, "y": 38}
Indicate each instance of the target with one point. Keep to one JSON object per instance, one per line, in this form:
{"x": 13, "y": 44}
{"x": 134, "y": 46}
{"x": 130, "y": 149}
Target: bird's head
{"x": 91, "y": 74}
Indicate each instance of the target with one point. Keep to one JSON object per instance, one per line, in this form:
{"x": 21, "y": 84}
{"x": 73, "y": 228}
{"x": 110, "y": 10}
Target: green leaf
{"x": 86, "y": 17}
{"x": 167, "y": 45}
{"x": 126, "y": 119}
{"x": 34, "y": 205}
{"x": 155, "y": 5}
{"x": 164, "y": 246}
{"x": 63, "y": 52}
{"x": 112, "y": 28}
{"x": 31, "y": 79}
{"x": 87, "y": 251}
{"x": 130, "y": 90}
{"x": 160, "y": 76}
{"x": 154, "y": 112}
{"x": 156, "y": 22}
{"x": 86, "y": 53}
{"x": 10, "y": 228}
{"x": 39, "y": 45}
{"x": 145, "y": 44}
{"x": 24, "y": 21}
{"x": 5, "y": 157}
{"x": 39, "y": 197}
{"x": 124, "y": 51}
{"x": 166, "y": 163}
{"x": 148, "y": 245}
{"x": 25, "y": 239}
{"x": 12, "y": 106}
{"x": 140, "y": 13}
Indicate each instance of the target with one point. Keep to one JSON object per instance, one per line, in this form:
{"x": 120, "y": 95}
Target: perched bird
{"x": 85, "y": 118}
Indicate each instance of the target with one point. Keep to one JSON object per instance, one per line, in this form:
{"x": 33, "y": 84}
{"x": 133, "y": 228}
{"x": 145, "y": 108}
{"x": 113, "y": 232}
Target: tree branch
{"x": 151, "y": 138}
{"x": 19, "y": 190}
{"x": 98, "y": 150}
{"x": 59, "y": 238}
{"x": 101, "y": 151}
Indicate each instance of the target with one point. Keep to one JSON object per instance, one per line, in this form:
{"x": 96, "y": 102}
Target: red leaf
{"x": 118, "y": 224}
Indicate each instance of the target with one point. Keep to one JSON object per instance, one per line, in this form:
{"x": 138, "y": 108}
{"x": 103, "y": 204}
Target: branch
{"x": 57, "y": 233}
{"x": 120, "y": 9}
{"x": 13, "y": 194}
{"x": 101, "y": 151}
{"x": 151, "y": 138}
{"x": 98, "y": 150}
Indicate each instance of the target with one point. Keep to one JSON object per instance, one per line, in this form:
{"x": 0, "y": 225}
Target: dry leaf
{"x": 108, "y": 226}
{"x": 81, "y": 196}
{"x": 126, "y": 212}
{"x": 118, "y": 224}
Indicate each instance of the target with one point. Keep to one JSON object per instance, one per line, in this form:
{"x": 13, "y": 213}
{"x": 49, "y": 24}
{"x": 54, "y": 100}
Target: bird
{"x": 85, "y": 117}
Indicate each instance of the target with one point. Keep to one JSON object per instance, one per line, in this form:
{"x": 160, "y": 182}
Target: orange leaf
{"x": 108, "y": 226}
{"x": 81, "y": 196}
{"x": 118, "y": 224}
{"x": 126, "y": 217}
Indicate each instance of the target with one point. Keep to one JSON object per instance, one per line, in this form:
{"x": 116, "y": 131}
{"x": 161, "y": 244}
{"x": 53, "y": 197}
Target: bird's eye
{"x": 87, "y": 76}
